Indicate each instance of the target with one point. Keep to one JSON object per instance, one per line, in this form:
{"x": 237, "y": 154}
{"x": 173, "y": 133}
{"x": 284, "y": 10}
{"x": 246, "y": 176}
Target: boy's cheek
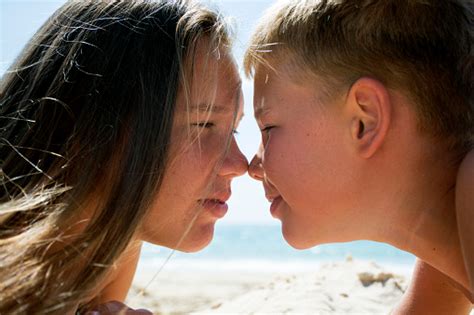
{"x": 277, "y": 165}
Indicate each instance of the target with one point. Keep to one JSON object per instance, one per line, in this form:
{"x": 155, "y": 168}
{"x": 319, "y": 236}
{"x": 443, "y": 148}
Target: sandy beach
{"x": 344, "y": 287}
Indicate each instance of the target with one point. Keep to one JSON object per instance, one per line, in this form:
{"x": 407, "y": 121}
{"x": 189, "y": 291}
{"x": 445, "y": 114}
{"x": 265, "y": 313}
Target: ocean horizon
{"x": 254, "y": 247}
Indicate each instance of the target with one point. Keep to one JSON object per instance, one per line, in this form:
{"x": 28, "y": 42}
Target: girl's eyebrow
{"x": 216, "y": 108}
{"x": 210, "y": 108}
{"x": 238, "y": 95}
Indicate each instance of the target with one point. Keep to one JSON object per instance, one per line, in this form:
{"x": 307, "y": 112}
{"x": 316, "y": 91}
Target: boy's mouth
{"x": 274, "y": 206}
{"x": 271, "y": 198}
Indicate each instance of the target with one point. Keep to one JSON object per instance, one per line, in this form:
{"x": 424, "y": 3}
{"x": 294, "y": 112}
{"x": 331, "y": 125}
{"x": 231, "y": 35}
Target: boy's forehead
{"x": 264, "y": 81}
{"x": 270, "y": 86}
{"x": 273, "y": 77}
{"x": 275, "y": 88}
{"x": 281, "y": 68}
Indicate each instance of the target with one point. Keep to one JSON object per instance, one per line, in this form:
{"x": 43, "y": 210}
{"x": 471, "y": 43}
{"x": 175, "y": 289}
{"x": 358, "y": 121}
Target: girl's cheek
{"x": 208, "y": 149}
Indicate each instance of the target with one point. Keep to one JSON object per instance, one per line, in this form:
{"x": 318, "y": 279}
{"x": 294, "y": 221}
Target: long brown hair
{"x": 86, "y": 111}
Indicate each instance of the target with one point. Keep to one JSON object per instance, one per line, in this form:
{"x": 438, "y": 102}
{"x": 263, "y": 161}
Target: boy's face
{"x": 305, "y": 159}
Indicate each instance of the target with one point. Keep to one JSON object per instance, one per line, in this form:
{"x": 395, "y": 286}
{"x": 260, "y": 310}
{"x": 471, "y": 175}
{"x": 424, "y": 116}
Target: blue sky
{"x": 19, "y": 20}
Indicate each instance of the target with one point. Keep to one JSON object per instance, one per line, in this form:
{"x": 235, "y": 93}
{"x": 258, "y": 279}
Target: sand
{"x": 183, "y": 292}
{"x": 347, "y": 287}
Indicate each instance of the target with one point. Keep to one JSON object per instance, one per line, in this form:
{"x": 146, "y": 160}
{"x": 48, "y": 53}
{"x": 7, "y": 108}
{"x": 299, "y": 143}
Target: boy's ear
{"x": 370, "y": 109}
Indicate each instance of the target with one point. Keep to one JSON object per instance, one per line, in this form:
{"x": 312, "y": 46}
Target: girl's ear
{"x": 369, "y": 106}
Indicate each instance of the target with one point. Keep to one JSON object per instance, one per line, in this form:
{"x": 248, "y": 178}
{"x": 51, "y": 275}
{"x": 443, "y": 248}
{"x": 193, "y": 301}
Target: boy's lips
{"x": 271, "y": 192}
{"x": 270, "y": 197}
{"x": 273, "y": 196}
{"x": 274, "y": 206}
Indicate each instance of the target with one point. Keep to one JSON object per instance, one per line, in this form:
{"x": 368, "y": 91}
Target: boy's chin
{"x": 297, "y": 239}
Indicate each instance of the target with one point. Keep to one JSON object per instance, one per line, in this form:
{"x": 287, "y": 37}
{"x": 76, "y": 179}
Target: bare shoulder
{"x": 466, "y": 169}
{"x": 465, "y": 213}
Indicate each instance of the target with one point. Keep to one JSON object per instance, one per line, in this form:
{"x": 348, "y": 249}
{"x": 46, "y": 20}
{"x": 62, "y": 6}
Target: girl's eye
{"x": 235, "y": 131}
{"x": 206, "y": 124}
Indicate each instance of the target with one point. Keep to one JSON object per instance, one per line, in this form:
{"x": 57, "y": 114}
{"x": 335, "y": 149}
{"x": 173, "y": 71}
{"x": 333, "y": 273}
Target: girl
{"x": 117, "y": 125}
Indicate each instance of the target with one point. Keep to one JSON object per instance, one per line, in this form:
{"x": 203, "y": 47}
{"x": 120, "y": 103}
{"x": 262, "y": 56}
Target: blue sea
{"x": 262, "y": 248}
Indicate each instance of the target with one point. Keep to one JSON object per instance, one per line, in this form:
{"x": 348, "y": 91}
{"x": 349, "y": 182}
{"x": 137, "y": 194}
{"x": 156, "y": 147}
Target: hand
{"x": 116, "y": 308}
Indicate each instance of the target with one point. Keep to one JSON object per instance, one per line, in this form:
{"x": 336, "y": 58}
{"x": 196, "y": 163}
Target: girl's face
{"x": 303, "y": 160}
{"x": 196, "y": 184}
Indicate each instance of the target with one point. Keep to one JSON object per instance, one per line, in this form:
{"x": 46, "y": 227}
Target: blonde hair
{"x": 423, "y": 47}
{"x": 86, "y": 115}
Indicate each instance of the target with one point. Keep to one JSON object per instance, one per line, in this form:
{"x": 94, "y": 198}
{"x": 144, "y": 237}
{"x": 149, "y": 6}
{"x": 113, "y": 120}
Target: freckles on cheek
{"x": 287, "y": 159}
{"x": 274, "y": 161}
{"x": 205, "y": 152}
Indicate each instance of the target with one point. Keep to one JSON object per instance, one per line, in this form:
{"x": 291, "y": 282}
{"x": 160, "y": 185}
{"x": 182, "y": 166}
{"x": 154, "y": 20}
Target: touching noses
{"x": 255, "y": 167}
{"x": 235, "y": 163}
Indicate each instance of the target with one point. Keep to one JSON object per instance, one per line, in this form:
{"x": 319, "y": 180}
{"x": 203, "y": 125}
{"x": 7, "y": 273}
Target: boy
{"x": 367, "y": 121}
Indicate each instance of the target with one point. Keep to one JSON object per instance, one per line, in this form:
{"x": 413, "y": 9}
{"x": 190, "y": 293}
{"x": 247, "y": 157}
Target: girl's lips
{"x": 274, "y": 206}
{"x": 216, "y": 207}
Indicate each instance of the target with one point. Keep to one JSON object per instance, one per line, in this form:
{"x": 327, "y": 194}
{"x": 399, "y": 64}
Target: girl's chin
{"x": 197, "y": 239}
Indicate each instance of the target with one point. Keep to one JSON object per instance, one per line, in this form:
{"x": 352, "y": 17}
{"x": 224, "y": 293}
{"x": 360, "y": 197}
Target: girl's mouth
{"x": 218, "y": 208}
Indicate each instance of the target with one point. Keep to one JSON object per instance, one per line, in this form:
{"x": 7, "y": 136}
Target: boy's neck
{"x": 422, "y": 218}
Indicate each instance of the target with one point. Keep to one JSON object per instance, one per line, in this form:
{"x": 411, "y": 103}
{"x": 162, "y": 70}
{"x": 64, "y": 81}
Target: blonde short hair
{"x": 422, "y": 47}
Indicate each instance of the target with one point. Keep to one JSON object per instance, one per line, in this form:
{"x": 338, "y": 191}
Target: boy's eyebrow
{"x": 260, "y": 109}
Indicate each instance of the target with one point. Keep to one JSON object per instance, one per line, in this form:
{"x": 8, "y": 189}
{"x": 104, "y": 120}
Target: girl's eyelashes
{"x": 205, "y": 124}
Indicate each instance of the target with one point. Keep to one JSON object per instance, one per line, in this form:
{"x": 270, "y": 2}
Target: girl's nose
{"x": 255, "y": 167}
{"x": 235, "y": 163}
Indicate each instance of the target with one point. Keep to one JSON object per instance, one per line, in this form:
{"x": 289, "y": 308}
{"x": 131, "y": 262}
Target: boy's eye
{"x": 266, "y": 128}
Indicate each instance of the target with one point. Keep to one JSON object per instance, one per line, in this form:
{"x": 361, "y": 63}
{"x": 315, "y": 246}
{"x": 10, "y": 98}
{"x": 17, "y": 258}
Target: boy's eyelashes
{"x": 266, "y": 128}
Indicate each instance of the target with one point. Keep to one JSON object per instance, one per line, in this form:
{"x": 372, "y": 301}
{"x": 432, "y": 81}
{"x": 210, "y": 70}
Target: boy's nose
{"x": 235, "y": 163}
{"x": 255, "y": 167}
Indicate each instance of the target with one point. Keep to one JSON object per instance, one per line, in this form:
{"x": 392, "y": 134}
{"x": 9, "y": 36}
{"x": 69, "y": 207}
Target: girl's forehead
{"x": 215, "y": 86}
{"x": 215, "y": 75}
